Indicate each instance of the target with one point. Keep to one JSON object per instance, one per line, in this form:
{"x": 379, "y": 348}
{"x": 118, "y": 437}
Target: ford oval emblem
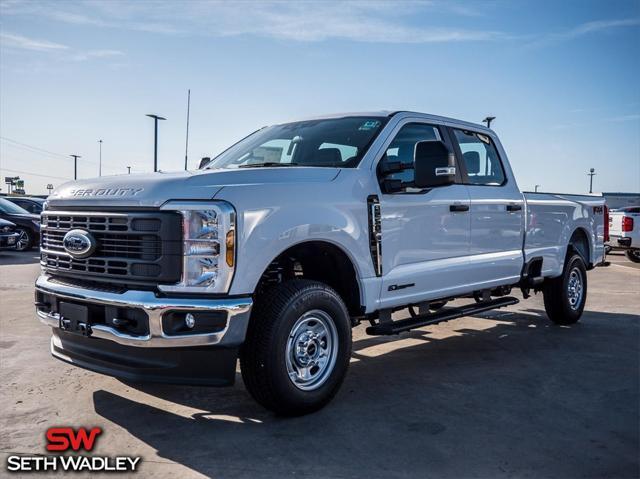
{"x": 79, "y": 243}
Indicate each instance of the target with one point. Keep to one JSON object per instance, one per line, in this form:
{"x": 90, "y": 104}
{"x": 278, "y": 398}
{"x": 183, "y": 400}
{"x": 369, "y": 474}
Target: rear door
{"x": 496, "y": 213}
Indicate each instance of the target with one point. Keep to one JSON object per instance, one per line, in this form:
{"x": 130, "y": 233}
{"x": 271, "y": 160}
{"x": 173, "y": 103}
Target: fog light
{"x": 189, "y": 320}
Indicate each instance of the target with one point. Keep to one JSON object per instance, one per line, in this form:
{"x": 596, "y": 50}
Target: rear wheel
{"x": 298, "y": 347}
{"x": 25, "y": 240}
{"x": 633, "y": 255}
{"x": 565, "y": 296}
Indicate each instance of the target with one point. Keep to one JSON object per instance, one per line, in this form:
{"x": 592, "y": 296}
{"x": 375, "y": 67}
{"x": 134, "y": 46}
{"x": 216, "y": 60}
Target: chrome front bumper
{"x": 238, "y": 312}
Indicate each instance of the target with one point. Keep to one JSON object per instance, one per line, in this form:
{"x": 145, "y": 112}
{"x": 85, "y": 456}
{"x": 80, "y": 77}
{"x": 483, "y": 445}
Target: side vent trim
{"x": 375, "y": 233}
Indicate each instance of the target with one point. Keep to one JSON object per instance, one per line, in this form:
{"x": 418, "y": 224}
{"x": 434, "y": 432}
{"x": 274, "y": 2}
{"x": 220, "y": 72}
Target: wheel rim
{"x": 23, "y": 240}
{"x": 312, "y": 349}
{"x": 575, "y": 288}
{"x": 636, "y": 253}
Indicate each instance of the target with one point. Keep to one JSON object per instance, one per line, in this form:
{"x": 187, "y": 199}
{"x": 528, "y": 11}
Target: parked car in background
{"x": 8, "y": 235}
{"x": 27, "y": 224}
{"x": 31, "y": 204}
{"x": 624, "y": 231}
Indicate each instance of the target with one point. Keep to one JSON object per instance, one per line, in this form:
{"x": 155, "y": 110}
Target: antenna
{"x": 186, "y": 144}
{"x": 488, "y": 120}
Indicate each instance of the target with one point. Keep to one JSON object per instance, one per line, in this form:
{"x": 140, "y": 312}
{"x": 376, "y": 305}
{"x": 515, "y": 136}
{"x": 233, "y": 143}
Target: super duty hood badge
{"x": 106, "y": 192}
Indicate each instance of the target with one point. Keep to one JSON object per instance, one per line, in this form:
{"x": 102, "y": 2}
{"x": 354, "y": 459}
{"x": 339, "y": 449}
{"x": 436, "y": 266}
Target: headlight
{"x": 209, "y": 246}
{"x": 6, "y": 229}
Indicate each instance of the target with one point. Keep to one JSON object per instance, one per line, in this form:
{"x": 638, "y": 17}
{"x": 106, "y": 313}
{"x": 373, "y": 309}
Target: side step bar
{"x": 395, "y": 327}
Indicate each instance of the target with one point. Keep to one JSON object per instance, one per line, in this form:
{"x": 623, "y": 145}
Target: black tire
{"x": 561, "y": 301}
{"x": 633, "y": 255}
{"x": 263, "y": 356}
{"x": 25, "y": 240}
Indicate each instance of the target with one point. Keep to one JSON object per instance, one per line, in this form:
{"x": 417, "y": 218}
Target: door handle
{"x": 458, "y": 208}
{"x": 514, "y": 207}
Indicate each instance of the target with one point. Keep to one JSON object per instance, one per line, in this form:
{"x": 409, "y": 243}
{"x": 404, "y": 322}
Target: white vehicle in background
{"x": 624, "y": 231}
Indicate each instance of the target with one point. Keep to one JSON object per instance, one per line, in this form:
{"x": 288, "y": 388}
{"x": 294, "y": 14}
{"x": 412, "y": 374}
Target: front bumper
{"x": 156, "y": 354}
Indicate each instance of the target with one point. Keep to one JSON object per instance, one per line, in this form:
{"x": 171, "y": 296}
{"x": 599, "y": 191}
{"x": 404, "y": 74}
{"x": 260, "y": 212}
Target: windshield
{"x": 11, "y": 209}
{"x": 337, "y": 142}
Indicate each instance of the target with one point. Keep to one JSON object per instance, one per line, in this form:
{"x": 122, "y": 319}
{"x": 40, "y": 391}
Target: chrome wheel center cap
{"x": 311, "y": 350}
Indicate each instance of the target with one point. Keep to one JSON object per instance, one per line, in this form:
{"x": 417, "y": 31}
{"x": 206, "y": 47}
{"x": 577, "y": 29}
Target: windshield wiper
{"x": 267, "y": 164}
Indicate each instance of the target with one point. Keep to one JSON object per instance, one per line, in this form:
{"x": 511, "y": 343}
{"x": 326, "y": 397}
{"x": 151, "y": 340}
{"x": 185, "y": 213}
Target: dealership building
{"x": 621, "y": 200}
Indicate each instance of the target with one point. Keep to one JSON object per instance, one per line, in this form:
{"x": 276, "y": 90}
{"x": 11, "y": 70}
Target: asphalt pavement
{"x": 501, "y": 394}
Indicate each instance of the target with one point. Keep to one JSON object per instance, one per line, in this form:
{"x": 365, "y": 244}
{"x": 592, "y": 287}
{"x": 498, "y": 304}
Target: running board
{"x": 395, "y": 327}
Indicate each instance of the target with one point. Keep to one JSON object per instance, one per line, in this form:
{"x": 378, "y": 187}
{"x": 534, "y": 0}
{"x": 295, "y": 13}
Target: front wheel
{"x": 565, "y": 296}
{"x": 298, "y": 347}
{"x": 633, "y": 255}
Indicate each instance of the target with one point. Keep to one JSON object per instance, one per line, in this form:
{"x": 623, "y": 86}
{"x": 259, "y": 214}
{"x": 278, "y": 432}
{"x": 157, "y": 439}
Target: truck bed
{"x": 550, "y": 220}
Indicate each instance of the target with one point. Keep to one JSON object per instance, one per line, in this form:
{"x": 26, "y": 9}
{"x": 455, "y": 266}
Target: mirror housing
{"x": 433, "y": 165}
{"x": 203, "y": 162}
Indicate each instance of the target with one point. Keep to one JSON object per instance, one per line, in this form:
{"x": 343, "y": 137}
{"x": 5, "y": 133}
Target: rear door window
{"x": 480, "y": 158}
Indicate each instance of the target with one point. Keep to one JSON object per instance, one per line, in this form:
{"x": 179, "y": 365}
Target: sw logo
{"x": 65, "y": 438}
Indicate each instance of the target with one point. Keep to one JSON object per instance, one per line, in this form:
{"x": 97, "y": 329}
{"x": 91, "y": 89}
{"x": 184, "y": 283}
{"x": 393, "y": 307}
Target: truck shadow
{"x": 515, "y": 396}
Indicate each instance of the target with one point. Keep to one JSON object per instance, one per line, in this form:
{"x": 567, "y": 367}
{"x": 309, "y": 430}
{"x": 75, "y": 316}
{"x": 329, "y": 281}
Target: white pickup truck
{"x": 624, "y": 227}
{"x": 273, "y": 250}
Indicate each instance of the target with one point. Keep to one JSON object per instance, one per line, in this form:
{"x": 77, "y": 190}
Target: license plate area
{"x": 74, "y": 318}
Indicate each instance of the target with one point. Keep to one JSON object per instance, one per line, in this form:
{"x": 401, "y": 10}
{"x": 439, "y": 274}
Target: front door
{"x": 425, "y": 233}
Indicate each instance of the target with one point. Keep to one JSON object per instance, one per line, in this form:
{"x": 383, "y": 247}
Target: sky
{"x": 562, "y": 79}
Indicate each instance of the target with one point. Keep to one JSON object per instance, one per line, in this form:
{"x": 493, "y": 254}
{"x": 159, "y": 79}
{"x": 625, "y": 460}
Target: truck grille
{"x": 147, "y": 247}
{"x": 133, "y": 247}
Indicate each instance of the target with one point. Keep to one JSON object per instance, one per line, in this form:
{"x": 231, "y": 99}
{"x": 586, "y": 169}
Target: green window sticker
{"x": 369, "y": 125}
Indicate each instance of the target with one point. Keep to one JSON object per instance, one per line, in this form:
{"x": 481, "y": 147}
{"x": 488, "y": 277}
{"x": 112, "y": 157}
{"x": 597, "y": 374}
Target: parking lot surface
{"x": 502, "y": 394}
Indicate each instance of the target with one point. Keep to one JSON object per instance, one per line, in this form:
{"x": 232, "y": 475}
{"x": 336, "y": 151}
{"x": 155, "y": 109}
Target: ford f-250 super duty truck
{"x": 273, "y": 250}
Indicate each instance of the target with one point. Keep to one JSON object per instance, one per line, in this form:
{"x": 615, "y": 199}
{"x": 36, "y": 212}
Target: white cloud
{"x": 623, "y": 118}
{"x": 601, "y": 25}
{"x": 19, "y": 42}
{"x": 91, "y": 54}
{"x": 597, "y": 26}
{"x": 26, "y": 43}
{"x": 380, "y": 21}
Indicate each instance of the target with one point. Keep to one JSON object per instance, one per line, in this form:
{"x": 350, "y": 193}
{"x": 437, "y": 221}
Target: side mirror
{"x": 433, "y": 165}
{"x": 203, "y": 162}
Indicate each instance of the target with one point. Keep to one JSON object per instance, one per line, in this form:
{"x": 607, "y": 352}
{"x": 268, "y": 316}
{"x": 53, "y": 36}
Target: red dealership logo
{"x": 65, "y": 438}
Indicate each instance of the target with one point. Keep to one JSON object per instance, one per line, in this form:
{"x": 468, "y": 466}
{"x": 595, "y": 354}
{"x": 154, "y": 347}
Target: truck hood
{"x": 151, "y": 190}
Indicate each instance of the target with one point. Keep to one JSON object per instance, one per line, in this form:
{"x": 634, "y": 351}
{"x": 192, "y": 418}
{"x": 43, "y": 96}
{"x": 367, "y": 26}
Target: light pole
{"x": 488, "y": 120}
{"x": 537, "y": 186}
{"x": 75, "y": 165}
{"x": 100, "y": 161}
{"x": 591, "y": 174}
{"x": 186, "y": 143}
{"x": 155, "y": 139}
